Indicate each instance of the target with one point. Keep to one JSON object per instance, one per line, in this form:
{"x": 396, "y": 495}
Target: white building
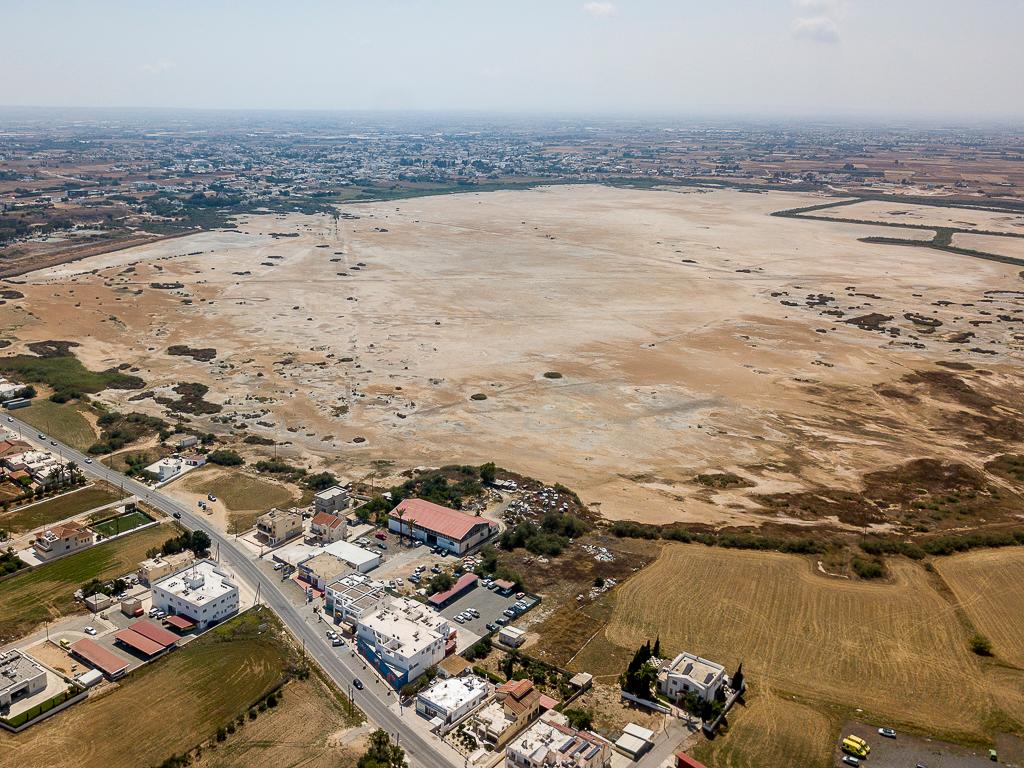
{"x": 687, "y": 673}
{"x": 203, "y": 593}
{"x": 165, "y": 469}
{"x": 21, "y": 676}
{"x": 512, "y": 637}
{"x": 547, "y": 744}
{"x": 448, "y": 701}
{"x": 358, "y": 559}
{"x": 353, "y": 596}
{"x": 403, "y": 639}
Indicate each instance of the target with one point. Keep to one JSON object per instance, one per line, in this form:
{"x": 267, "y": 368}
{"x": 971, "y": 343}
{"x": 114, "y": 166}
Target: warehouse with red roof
{"x": 438, "y": 526}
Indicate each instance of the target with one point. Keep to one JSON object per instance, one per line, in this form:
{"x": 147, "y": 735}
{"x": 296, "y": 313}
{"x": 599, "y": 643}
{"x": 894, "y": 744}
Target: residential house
{"x": 62, "y": 539}
{"x": 278, "y": 526}
{"x": 687, "y": 674}
{"x": 517, "y": 703}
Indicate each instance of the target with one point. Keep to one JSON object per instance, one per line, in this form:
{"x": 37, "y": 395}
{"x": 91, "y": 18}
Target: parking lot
{"x": 906, "y": 750}
{"x": 489, "y": 603}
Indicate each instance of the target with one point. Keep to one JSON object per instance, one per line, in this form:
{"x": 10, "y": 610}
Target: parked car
{"x": 459, "y": 619}
{"x": 278, "y": 566}
{"x": 850, "y": 760}
{"x": 993, "y": 756}
{"x": 358, "y": 684}
{"x": 331, "y": 633}
{"x": 501, "y": 620}
{"x": 380, "y": 535}
{"x": 337, "y": 641}
{"x": 161, "y": 614}
{"x": 889, "y": 733}
{"x": 491, "y": 627}
{"x": 211, "y": 497}
{"x": 90, "y": 630}
{"x": 382, "y": 545}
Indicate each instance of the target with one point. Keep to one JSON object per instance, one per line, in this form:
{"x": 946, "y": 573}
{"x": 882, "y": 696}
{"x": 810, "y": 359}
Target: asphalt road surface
{"x": 372, "y": 700}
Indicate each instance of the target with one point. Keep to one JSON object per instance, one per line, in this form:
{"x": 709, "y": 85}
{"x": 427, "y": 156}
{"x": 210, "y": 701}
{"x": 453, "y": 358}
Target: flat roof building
{"x": 320, "y": 570}
{"x": 353, "y": 596}
{"x": 21, "y": 676}
{"x": 449, "y": 700}
{"x": 512, "y": 637}
{"x": 438, "y": 526}
{"x": 202, "y": 592}
{"x": 333, "y": 499}
{"x": 403, "y": 639}
{"x": 278, "y": 525}
{"x": 358, "y": 558}
{"x": 547, "y": 744}
{"x": 155, "y": 568}
{"x": 687, "y": 673}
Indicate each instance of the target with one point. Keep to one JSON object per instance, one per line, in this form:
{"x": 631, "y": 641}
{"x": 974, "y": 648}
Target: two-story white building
{"x": 447, "y": 701}
{"x": 203, "y": 593}
{"x": 687, "y": 673}
{"x": 403, "y": 639}
{"x": 549, "y": 744}
{"x": 352, "y": 596}
{"x": 62, "y": 539}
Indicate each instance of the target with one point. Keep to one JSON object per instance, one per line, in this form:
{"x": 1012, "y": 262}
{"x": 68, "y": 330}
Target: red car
{"x": 381, "y": 535}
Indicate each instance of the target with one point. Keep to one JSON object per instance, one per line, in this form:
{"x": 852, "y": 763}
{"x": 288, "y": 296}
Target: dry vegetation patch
{"x": 896, "y": 650}
{"x": 989, "y": 587}
{"x": 164, "y": 708}
{"x": 772, "y": 730}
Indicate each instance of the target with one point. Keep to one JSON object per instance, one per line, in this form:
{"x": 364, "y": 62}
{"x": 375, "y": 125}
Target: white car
{"x": 460, "y": 620}
{"x": 88, "y": 461}
{"x": 90, "y": 630}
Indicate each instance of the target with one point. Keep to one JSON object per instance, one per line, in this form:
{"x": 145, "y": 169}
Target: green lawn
{"x": 74, "y": 503}
{"x": 120, "y": 524}
{"x": 29, "y": 598}
{"x": 63, "y": 421}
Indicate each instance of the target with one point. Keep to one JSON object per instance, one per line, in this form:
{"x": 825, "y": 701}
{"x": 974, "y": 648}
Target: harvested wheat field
{"x": 772, "y": 730}
{"x": 989, "y": 587}
{"x": 896, "y": 650}
{"x": 308, "y": 728}
{"x": 184, "y": 698}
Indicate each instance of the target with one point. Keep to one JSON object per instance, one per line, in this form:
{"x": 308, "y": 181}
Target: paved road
{"x": 373, "y": 700}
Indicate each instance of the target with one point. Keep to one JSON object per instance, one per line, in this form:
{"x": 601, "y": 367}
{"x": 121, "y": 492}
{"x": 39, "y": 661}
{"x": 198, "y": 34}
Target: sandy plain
{"x": 687, "y": 326}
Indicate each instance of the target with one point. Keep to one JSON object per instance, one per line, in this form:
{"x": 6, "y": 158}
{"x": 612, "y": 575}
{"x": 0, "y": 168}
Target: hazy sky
{"x": 960, "y": 58}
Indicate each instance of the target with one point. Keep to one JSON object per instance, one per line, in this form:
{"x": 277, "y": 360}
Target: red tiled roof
{"x": 154, "y": 632}
{"x": 180, "y": 622}
{"x": 450, "y": 523}
{"x": 683, "y": 760}
{"x": 326, "y": 519}
{"x": 98, "y": 656}
{"x": 546, "y": 702}
{"x": 140, "y": 643}
{"x": 64, "y": 530}
{"x": 516, "y": 688}
{"x": 463, "y": 583}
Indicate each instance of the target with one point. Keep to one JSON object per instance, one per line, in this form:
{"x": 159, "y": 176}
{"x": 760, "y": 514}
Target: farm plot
{"x": 164, "y": 708}
{"x": 113, "y": 526}
{"x": 989, "y": 586}
{"x": 771, "y": 730}
{"x": 63, "y": 421}
{"x": 29, "y": 598}
{"x": 310, "y": 728}
{"x": 896, "y": 650}
{"x": 59, "y": 508}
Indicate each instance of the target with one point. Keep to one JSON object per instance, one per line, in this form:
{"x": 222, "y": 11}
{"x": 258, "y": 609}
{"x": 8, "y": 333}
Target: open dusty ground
{"x": 896, "y": 213}
{"x": 689, "y": 328}
{"x": 899, "y": 651}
